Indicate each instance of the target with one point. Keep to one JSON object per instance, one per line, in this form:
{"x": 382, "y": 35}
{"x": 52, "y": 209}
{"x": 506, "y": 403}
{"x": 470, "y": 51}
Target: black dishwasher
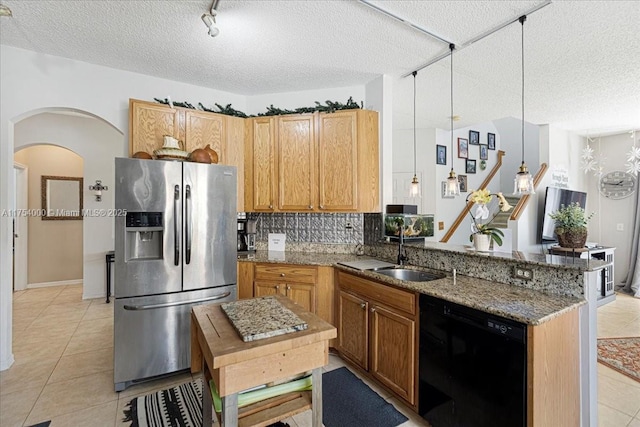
{"x": 473, "y": 367}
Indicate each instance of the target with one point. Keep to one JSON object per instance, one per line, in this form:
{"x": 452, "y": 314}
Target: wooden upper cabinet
{"x": 149, "y": 122}
{"x": 260, "y": 162}
{"x": 338, "y": 161}
{"x": 322, "y": 163}
{"x": 202, "y": 129}
{"x": 297, "y": 188}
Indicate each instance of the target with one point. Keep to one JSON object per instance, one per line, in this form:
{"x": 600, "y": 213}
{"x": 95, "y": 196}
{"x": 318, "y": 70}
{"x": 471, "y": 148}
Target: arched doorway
{"x": 54, "y": 247}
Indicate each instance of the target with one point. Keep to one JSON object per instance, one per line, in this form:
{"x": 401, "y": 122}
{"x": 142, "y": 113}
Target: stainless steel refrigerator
{"x": 174, "y": 248}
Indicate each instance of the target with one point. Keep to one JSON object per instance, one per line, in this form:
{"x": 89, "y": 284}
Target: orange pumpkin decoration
{"x": 212, "y": 154}
{"x": 200, "y": 156}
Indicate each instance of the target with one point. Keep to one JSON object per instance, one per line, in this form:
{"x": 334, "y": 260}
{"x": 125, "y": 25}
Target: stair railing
{"x": 467, "y": 208}
{"x": 524, "y": 200}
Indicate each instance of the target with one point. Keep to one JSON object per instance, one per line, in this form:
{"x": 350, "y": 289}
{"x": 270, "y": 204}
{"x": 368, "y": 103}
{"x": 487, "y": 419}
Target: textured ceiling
{"x": 583, "y": 57}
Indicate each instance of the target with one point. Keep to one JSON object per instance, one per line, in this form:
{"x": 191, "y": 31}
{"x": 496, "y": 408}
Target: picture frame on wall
{"x": 491, "y": 141}
{"x": 441, "y": 154}
{"x": 474, "y": 137}
{"x": 470, "y": 166}
{"x": 463, "y": 148}
{"x": 484, "y": 152}
{"x": 462, "y": 180}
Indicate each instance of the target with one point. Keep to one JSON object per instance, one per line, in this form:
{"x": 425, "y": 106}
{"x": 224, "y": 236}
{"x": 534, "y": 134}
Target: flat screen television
{"x": 554, "y": 198}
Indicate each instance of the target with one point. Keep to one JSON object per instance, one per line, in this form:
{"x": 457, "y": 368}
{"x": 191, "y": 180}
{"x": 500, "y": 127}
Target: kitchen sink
{"x": 408, "y": 274}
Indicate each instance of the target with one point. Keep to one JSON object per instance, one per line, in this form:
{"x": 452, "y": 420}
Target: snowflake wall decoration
{"x": 633, "y": 157}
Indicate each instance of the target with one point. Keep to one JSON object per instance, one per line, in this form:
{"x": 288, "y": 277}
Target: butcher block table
{"x": 220, "y": 353}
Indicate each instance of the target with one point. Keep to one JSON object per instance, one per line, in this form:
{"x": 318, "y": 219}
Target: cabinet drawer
{"x": 387, "y": 295}
{"x": 289, "y": 273}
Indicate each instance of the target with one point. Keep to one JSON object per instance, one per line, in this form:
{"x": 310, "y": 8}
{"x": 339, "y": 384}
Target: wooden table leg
{"x": 316, "y": 397}
{"x": 230, "y": 410}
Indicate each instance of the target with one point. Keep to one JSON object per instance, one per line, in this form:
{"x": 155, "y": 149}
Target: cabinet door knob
{"x": 373, "y": 309}
{"x": 277, "y": 287}
{"x": 321, "y": 206}
{"x": 288, "y": 287}
{"x": 363, "y": 305}
{"x": 281, "y": 274}
{"x": 270, "y": 206}
{"x": 310, "y": 206}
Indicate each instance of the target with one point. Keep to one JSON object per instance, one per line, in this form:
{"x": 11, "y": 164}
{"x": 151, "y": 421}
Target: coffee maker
{"x": 246, "y": 233}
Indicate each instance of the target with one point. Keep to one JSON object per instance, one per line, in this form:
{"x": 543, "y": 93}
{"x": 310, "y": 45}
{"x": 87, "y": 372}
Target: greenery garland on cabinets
{"x": 328, "y": 107}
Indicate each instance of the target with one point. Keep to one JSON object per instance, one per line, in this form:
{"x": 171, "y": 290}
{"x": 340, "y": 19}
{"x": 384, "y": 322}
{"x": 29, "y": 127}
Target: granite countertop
{"x": 308, "y": 258}
{"x": 513, "y": 302}
{"x": 528, "y": 306}
{"x": 260, "y": 318}
{"x": 563, "y": 261}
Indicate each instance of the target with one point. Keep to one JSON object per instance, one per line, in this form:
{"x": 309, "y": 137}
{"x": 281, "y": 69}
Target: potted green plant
{"x": 571, "y": 225}
{"x": 482, "y": 232}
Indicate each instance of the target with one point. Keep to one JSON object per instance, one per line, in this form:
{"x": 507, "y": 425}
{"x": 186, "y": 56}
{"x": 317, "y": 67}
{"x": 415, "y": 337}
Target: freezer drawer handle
{"x": 187, "y": 251}
{"x": 173, "y": 304}
{"x": 176, "y": 198}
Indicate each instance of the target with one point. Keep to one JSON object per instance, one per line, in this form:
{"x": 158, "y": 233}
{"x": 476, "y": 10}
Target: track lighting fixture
{"x": 209, "y": 19}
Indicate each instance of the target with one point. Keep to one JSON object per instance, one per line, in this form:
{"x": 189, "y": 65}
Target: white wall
{"x": 610, "y": 213}
{"x": 403, "y": 162}
{"x": 379, "y": 97}
{"x": 98, "y": 144}
{"x": 449, "y": 209}
{"x": 54, "y": 247}
{"x": 31, "y": 82}
{"x": 562, "y": 151}
{"x": 306, "y": 98}
{"x": 510, "y": 130}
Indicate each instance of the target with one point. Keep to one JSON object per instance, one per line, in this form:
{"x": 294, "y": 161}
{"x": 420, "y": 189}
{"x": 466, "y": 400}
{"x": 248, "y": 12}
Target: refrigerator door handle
{"x": 176, "y": 209}
{"x": 175, "y": 303}
{"x": 187, "y": 209}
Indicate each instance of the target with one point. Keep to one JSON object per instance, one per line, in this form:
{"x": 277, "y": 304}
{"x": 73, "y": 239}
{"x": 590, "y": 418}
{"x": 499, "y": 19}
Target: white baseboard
{"x": 6, "y": 363}
{"x": 59, "y": 283}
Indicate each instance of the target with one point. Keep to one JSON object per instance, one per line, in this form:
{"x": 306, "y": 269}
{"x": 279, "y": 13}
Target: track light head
{"x": 209, "y": 20}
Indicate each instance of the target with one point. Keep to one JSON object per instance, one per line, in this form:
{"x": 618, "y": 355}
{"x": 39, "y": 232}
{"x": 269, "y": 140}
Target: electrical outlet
{"x": 348, "y": 226}
{"x": 619, "y": 226}
{"x": 522, "y": 273}
{"x": 440, "y": 225}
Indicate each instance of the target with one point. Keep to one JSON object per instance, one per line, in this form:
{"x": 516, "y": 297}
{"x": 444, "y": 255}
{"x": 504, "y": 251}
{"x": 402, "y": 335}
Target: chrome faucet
{"x": 402, "y": 253}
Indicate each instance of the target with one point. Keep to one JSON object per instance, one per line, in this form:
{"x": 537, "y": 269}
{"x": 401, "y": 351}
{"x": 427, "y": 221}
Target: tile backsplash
{"x": 336, "y": 228}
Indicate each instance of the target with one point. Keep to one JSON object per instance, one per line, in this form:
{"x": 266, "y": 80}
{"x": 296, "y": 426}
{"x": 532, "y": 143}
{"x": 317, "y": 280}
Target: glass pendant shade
{"x": 414, "y": 188}
{"x": 452, "y": 187}
{"x": 523, "y": 183}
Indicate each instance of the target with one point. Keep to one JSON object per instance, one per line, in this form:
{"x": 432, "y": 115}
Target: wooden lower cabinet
{"x": 393, "y": 351}
{"x": 302, "y": 294}
{"x": 245, "y": 279}
{"x": 378, "y": 338}
{"x": 353, "y": 324}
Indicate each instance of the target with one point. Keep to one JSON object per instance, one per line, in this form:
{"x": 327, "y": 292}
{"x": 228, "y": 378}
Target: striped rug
{"x": 178, "y": 406}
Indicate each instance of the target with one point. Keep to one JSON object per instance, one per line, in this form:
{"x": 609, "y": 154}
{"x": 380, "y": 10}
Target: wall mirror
{"x": 61, "y": 197}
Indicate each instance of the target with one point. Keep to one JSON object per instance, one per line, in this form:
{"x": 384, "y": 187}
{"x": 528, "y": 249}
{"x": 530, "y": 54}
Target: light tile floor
{"x": 63, "y": 371}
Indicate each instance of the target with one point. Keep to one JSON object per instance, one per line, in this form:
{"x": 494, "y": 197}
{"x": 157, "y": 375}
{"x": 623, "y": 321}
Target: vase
{"x": 572, "y": 239}
{"x": 481, "y": 242}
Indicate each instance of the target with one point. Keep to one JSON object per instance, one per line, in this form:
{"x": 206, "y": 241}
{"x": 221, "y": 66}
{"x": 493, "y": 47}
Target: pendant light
{"x": 523, "y": 183}
{"x": 452, "y": 188}
{"x": 414, "y": 189}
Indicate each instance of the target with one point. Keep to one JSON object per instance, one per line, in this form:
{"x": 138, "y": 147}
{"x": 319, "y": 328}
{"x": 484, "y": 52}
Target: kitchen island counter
{"x": 529, "y": 306}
